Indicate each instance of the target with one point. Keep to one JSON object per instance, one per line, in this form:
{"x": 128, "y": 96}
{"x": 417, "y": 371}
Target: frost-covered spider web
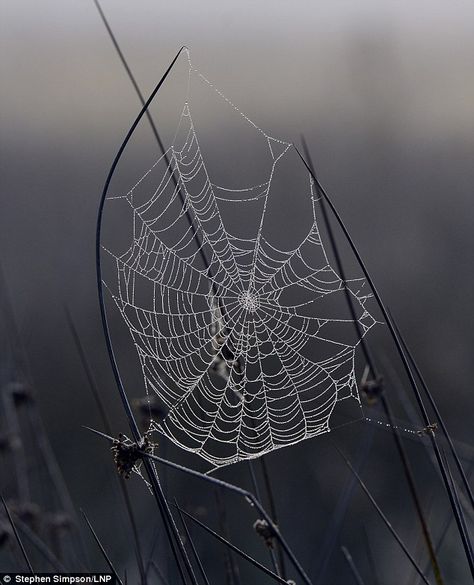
{"x": 238, "y": 337}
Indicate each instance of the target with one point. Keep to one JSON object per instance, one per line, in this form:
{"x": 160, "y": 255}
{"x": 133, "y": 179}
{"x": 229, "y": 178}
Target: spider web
{"x": 235, "y": 335}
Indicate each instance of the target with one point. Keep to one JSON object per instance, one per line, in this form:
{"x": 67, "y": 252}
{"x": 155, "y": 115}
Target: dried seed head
{"x": 27, "y": 512}
{"x": 127, "y": 454}
{"x": 5, "y": 533}
{"x": 21, "y": 393}
{"x": 372, "y": 389}
{"x": 264, "y": 530}
{"x": 9, "y": 442}
{"x": 428, "y": 430}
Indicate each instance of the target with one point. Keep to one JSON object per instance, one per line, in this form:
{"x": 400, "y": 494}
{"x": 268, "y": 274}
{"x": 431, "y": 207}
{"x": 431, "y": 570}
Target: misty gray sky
{"x": 297, "y": 58}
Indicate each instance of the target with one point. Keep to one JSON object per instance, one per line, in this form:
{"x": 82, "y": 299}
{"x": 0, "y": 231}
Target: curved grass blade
{"x": 177, "y": 547}
{"x": 436, "y": 411}
{"x": 177, "y": 186}
{"x": 459, "y": 520}
{"x": 370, "y": 362}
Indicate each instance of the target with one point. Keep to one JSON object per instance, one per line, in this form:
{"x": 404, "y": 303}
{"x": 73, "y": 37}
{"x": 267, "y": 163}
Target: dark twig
{"x": 17, "y": 536}
{"x": 102, "y": 549}
{"x": 130, "y": 76}
{"x": 251, "y": 499}
{"x": 191, "y": 543}
{"x": 236, "y": 550}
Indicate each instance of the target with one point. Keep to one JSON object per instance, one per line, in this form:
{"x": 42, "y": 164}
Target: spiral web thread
{"x": 228, "y": 358}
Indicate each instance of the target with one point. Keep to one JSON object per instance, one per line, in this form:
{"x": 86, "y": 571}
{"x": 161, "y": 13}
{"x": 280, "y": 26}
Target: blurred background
{"x": 384, "y": 94}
